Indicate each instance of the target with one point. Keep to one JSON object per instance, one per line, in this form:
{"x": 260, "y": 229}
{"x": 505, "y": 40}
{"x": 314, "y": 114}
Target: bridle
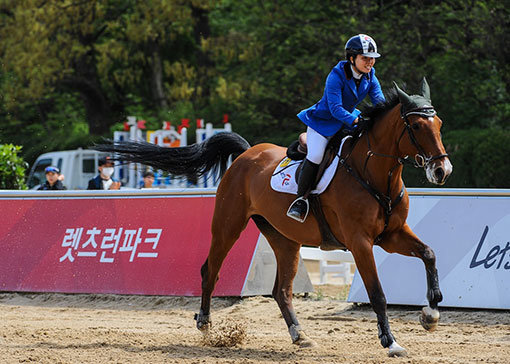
{"x": 420, "y": 159}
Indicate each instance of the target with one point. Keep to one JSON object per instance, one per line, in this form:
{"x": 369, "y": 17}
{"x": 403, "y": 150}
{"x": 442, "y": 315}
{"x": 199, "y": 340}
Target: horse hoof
{"x": 429, "y": 318}
{"x": 203, "y": 322}
{"x": 396, "y": 350}
{"x": 305, "y": 342}
{"x": 204, "y": 327}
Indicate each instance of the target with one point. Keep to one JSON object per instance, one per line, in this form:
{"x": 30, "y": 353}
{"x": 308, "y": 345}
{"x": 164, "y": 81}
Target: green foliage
{"x": 73, "y": 71}
{"x": 480, "y": 157}
{"x": 12, "y": 168}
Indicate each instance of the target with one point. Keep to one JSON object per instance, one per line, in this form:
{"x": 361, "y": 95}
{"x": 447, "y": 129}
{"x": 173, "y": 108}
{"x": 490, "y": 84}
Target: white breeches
{"x": 316, "y": 145}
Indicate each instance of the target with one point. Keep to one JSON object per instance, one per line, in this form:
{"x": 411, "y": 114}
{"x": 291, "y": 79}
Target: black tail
{"x": 191, "y": 161}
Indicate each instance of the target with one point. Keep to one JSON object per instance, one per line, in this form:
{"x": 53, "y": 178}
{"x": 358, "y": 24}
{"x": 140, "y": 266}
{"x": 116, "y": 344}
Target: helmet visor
{"x": 371, "y": 54}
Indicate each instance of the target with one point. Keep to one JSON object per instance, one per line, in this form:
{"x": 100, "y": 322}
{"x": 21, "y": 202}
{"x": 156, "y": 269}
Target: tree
{"x": 100, "y": 50}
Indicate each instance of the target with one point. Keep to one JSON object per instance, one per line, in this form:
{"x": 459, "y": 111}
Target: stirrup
{"x": 296, "y": 212}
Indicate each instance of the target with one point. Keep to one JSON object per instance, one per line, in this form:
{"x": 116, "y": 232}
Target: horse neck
{"x": 382, "y": 138}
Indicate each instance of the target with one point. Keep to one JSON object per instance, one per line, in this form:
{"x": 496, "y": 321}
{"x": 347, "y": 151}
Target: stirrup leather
{"x": 294, "y": 211}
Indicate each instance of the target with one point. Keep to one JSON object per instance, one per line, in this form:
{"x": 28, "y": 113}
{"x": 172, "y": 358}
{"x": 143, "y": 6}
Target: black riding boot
{"x": 298, "y": 210}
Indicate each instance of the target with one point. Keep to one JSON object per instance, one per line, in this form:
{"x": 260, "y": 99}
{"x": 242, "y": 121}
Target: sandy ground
{"x": 59, "y": 328}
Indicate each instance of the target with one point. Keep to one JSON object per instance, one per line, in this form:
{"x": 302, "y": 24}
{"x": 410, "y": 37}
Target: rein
{"x": 420, "y": 161}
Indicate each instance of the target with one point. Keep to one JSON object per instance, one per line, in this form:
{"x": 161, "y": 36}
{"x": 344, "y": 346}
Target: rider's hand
{"x": 361, "y": 123}
{"x": 355, "y": 122}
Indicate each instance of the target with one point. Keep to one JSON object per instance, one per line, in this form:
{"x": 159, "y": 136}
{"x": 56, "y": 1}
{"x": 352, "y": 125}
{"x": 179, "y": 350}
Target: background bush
{"x": 12, "y": 168}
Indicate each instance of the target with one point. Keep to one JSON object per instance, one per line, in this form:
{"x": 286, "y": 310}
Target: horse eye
{"x": 416, "y": 126}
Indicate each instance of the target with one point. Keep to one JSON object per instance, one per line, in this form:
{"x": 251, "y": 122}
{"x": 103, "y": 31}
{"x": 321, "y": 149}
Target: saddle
{"x": 297, "y": 151}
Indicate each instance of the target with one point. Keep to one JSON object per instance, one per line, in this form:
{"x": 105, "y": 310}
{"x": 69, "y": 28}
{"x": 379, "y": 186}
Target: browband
{"x": 422, "y": 111}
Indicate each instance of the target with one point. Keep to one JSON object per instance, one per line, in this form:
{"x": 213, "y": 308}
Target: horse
{"x": 365, "y": 204}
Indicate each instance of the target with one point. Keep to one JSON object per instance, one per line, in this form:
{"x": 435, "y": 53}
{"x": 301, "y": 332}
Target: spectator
{"x": 53, "y": 179}
{"x": 148, "y": 179}
{"x": 104, "y": 180}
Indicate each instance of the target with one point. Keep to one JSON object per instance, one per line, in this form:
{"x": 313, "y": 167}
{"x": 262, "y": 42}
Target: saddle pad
{"x": 284, "y": 176}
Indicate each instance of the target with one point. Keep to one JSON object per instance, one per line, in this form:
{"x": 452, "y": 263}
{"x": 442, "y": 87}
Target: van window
{"x": 89, "y": 165}
{"x": 39, "y": 176}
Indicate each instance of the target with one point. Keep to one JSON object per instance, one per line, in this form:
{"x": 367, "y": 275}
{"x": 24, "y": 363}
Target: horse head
{"x": 422, "y": 126}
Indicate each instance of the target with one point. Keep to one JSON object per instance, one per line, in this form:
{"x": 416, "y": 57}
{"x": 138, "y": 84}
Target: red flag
{"x": 225, "y": 118}
{"x": 140, "y": 124}
{"x": 185, "y": 123}
{"x": 126, "y": 126}
{"x": 200, "y": 123}
{"x": 167, "y": 125}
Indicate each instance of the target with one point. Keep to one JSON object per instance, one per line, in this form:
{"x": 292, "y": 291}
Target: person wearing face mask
{"x": 348, "y": 83}
{"x": 104, "y": 180}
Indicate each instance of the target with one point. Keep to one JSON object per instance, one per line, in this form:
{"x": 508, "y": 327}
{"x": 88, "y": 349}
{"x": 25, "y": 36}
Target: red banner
{"x": 126, "y": 245}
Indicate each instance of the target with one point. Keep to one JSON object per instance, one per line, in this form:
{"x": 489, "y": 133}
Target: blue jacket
{"x": 337, "y": 107}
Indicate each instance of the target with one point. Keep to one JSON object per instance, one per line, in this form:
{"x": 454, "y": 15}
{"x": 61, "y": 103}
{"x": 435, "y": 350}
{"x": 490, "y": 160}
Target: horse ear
{"x": 425, "y": 89}
{"x": 402, "y": 96}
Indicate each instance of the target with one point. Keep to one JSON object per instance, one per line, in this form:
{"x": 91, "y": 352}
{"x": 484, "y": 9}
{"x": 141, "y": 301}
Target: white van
{"x": 80, "y": 165}
{"x": 77, "y": 166}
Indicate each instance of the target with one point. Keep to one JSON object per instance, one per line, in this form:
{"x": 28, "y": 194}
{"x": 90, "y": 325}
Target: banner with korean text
{"x": 470, "y": 236}
{"x": 115, "y": 244}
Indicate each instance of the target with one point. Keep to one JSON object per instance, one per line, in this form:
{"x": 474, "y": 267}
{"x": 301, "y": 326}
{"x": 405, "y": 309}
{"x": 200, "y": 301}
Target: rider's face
{"x": 364, "y": 64}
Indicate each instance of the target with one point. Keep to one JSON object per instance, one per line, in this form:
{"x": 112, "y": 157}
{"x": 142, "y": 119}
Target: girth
{"x": 297, "y": 151}
{"x": 384, "y": 200}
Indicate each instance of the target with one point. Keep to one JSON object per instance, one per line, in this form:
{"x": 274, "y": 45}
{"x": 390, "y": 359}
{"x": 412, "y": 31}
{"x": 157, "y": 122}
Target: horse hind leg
{"x": 223, "y": 238}
{"x": 203, "y": 317}
{"x": 287, "y": 260}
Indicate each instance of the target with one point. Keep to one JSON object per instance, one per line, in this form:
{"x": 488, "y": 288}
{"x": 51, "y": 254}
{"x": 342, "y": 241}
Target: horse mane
{"x": 376, "y": 112}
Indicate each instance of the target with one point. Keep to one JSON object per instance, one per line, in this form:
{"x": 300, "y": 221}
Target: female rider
{"x": 347, "y": 85}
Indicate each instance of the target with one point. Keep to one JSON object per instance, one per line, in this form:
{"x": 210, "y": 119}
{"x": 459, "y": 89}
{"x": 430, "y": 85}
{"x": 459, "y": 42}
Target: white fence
{"x": 341, "y": 266}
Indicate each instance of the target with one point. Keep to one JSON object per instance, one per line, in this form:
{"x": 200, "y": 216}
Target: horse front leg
{"x": 365, "y": 263}
{"x": 405, "y": 242}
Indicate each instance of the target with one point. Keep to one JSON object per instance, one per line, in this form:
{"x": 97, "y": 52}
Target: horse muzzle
{"x": 438, "y": 172}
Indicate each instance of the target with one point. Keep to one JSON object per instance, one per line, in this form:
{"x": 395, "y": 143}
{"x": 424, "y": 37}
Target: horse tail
{"x": 190, "y": 161}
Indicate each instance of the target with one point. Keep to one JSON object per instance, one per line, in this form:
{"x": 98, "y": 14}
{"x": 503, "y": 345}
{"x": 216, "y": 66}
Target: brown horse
{"x": 365, "y": 204}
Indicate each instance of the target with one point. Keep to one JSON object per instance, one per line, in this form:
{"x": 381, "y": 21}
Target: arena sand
{"x": 60, "y": 328}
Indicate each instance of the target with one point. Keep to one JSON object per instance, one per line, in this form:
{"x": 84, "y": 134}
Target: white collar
{"x": 107, "y": 183}
{"x": 355, "y": 74}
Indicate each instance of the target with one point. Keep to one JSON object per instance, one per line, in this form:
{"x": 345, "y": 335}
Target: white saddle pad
{"x": 284, "y": 175}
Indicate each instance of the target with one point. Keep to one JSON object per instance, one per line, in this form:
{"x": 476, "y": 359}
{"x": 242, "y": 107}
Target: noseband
{"x": 420, "y": 159}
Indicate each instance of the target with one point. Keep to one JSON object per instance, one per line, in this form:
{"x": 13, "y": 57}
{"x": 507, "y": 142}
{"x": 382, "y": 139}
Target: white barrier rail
{"x": 342, "y": 268}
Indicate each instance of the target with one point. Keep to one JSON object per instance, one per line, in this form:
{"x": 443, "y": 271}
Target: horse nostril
{"x": 439, "y": 173}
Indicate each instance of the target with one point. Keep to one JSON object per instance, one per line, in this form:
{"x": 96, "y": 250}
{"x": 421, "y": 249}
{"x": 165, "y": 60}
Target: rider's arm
{"x": 375, "y": 92}
{"x": 334, "y": 86}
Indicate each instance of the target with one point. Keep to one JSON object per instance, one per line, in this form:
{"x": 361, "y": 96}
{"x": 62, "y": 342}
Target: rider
{"x": 347, "y": 85}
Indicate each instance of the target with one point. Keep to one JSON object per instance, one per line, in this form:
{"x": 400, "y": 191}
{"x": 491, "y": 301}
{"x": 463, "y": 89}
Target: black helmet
{"x": 361, "y": 44}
